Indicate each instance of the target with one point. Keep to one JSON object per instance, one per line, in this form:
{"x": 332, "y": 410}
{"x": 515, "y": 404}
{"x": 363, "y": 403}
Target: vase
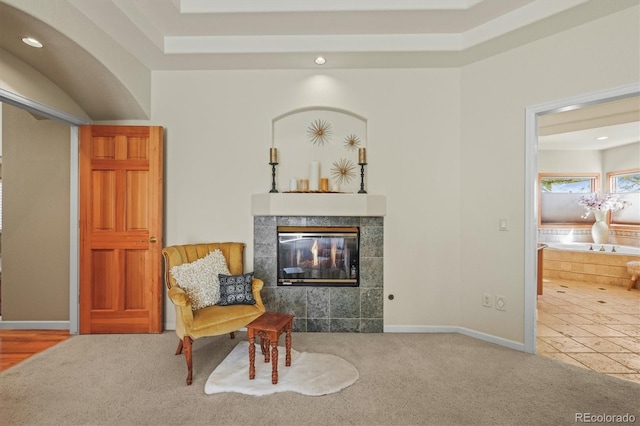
{"x": 600, "y": 230}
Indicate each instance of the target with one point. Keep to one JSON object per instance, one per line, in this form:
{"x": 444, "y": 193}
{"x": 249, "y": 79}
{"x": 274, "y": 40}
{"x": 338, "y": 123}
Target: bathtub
{"x": 608, "y": 248}
{"x": 576, "y": 262}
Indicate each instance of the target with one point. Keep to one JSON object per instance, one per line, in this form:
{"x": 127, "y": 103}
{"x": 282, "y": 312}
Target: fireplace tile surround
{"x": 324, "y": 309}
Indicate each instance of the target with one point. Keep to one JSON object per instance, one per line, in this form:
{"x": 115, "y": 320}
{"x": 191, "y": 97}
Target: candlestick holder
{"x": 273, "y": 177}
{"x": 362, "y": 190}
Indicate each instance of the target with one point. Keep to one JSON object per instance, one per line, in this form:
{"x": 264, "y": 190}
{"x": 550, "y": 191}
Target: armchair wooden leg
{"x": 179, "y": 350}
{"x": 187, "y": 341}
{"x": 233, "y": 335}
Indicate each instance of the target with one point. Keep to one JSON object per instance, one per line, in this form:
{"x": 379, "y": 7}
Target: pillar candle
{"x": 273, "y": 155}
{"x": 314, "y": 176}
{"x": 303, "y": 185}
{"x": 324, "y": 184}
{"x": 293, "y": 184}
{"x": 362, "y": 155}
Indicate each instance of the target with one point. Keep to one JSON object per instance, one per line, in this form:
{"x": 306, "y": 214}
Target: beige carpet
{"x": 405, "y": 379}
{"x": 310, "y": 373}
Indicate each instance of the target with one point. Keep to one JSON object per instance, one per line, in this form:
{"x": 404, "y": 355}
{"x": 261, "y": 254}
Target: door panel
{"x": 104, "y": 188}
{"x": 120, "y": 229}
{"x": 137, "y": 200}
{"x": 136, "y": 263}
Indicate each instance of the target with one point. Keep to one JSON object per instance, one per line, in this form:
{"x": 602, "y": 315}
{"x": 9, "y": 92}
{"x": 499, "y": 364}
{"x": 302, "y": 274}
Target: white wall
{"x": 625, "y": 157}
{"x": 495, "y": 93}
{"x": 218, "y": 137}
{"x": 560, "y": 161}
{"x": 620, "y": 158}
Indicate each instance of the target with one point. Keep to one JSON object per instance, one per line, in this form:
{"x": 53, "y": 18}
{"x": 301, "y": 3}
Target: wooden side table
{"x": 269, "y": 326}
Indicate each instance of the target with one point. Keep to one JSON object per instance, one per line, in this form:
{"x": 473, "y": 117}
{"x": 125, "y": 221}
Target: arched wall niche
{"x": 319, "y": 136}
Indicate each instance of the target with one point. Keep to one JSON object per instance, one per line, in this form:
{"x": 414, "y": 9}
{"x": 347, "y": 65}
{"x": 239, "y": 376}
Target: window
{"x": 626, "y": 185}
{"x": 558, "y": 198}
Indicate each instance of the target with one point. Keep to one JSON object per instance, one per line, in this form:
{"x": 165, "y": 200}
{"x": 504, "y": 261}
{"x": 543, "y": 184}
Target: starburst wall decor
{"x": 352, "y": 142}
{"x": 320, "y": 132}
{"x": 343, "y": 171}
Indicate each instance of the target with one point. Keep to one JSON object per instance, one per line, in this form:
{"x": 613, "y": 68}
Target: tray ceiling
{"x": 122, "y": 41}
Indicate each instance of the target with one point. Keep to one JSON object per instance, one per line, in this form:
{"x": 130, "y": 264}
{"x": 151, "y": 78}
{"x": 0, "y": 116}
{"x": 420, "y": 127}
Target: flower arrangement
{"x": 591, "y": 202}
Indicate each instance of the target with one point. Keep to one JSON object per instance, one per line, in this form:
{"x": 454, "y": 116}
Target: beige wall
{"x": 597, "y": 56}
{"x": 35, "y": 235}
{"x": 218, "y": 138}
{"x": 19, "y": 78}
{"x": 132, "y": 82}
{"x": 446, "y": 146}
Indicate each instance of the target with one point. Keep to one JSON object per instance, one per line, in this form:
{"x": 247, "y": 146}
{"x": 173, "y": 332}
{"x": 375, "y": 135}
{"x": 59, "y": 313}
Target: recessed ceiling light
{"x": 602, "y": 138}
{"x": 31, "y": 42}
{"x": 320, "y": 60}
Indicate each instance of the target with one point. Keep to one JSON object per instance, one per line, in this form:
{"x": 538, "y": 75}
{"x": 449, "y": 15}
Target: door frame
{"x": 74, "y": 196}
{"x": 531, "y": 199}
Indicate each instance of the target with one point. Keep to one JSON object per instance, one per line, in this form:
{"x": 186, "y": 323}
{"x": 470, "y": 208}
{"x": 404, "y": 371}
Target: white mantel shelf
{"x": 318, "y": 204}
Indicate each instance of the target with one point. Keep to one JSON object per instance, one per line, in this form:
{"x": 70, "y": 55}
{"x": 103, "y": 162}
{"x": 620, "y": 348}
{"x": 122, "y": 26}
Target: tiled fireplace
{"x": 323, "y": 308}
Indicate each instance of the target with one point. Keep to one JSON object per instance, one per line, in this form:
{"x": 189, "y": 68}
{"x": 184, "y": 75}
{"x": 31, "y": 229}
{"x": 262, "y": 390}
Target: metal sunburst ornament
{"x": 320, "y": 132}
{"x": 352, "y": 142}
{"x": 343, "y": 171}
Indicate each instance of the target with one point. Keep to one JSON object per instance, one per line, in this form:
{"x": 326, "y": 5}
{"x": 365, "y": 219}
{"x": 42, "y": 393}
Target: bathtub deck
{"x": 588, "y": 267}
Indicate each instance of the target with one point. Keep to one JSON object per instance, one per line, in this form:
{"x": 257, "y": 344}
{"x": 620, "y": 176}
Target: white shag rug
{"x": 309, "y": 374}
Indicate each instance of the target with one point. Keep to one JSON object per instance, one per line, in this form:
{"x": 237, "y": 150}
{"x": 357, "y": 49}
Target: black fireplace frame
{"x": 298, "y": 279}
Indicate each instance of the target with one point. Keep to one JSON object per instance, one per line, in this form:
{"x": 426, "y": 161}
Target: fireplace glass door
{"x": 318, "y": 256}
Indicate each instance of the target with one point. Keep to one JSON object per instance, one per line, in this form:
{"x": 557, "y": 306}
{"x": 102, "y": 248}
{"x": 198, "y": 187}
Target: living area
{"x": 431, "y": 140}
{"x": 445, "y": 142}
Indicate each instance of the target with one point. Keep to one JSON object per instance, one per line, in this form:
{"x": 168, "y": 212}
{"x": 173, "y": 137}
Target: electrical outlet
{"x": 486, "y": 300}
{"x": 501, "y": 303}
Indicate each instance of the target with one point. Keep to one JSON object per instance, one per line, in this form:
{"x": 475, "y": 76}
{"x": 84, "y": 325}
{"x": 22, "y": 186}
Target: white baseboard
{"x": 433, "y": 329}
{"x": 34, "y": 325}
{"x": 518, "y": 346}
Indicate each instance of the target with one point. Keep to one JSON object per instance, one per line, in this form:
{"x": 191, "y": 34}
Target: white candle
{"x": 273, "y": 155}
{"x": 314, "y": 176}
{"x": 293, "y": 184}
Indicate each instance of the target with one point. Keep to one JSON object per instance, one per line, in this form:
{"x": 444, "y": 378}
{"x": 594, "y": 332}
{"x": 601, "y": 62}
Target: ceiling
{"x": 284, "y": 34}
{"x": 584, "y": 128}
{"x": 197, "y": 34}
{"x": 120, "y": 42}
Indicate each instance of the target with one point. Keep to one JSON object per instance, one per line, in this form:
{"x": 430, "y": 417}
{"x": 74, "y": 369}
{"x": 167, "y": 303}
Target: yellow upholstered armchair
{"x": 212, "y": 320}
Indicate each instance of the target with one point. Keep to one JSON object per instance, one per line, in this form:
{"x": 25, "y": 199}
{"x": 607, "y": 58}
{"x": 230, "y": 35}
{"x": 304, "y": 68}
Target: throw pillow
{"x": 199, "y": 279}
{"x": 236, "y": 289}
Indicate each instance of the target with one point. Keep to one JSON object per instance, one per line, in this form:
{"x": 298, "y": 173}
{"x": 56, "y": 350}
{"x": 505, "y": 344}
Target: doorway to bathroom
{"x": 585, "y": 323}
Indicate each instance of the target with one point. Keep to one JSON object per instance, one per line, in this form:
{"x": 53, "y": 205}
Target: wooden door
{"x": 120, "y": 229}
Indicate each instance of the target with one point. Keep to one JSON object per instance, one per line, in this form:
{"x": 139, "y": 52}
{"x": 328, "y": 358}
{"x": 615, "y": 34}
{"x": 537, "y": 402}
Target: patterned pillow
{"x": 236, "y": 290}
{"x": 199, "y": 279}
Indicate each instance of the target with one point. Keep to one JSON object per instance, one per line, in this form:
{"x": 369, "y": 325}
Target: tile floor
{"x": 592, "y": 326}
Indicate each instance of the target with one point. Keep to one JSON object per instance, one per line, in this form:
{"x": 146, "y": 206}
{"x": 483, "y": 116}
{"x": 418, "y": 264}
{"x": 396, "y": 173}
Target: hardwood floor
{"x": 18, "y": 345}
